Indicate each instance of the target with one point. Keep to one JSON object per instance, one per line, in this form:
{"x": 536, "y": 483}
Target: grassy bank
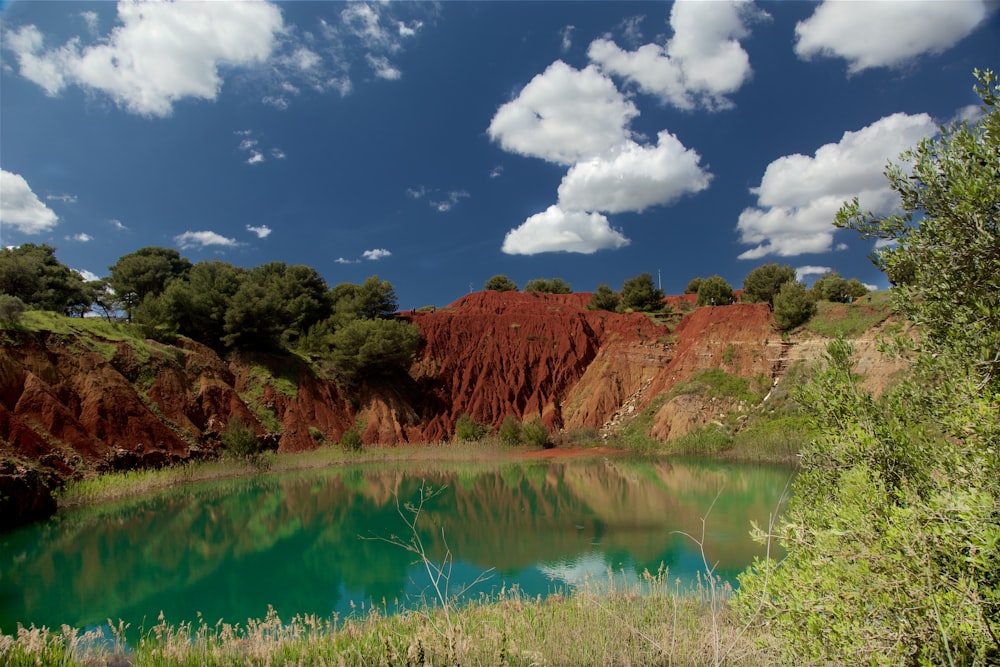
{"x": 600, "y": 623}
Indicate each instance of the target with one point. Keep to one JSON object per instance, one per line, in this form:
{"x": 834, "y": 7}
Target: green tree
{"x": 693, "y": 285}
{"x": 856, "y": 288}
{"x": 196, "y": 305}
{"x": 548, "y": 286}
{"x": 641, "y": 294}
{"x": 604, "y": 298}
{"x": 892, "y": 533}
{"x": 373, "y": 299}
{"x": 373, "y": 347}
{"x": 11, "y": 309}
{"x": 762, "y": 284}
{"x": 793, "y": 305}
{"x": 34, "y": 275}
{"x": 144, "y": 272}
{"x": 500, "y": 283}
{"x": 714, "y": 290}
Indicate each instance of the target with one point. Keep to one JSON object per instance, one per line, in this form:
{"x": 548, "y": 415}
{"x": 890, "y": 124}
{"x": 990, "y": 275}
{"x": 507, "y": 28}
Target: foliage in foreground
{"x": 604, "y": 622}
{"x": 893, "y": 530}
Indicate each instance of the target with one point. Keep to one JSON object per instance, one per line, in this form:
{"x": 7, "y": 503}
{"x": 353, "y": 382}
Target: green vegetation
{"x": 548, "y": 286}
{"x": 509, "y": 432}
{"x": 831, "y": 287}
{"x": 762, "y": 284}
{"x": 641, "y": 294}
{"x": 839, "y": 320}
{"x": 351, "y": 440}
{"x": 693, "y": 285}
{"x": 604, "y": 298}
{"x": 500, "y": 283}
{"x": 793, "y": 305}
{"x": 240, "y": 440}
{"x": 534, "y": 434}
{"x": 892, "y": 531}
{"x": 469, "y": 430}
{"x": 714, "y": 291}
{"x": 33, "y": 274}
{"x": 11, "y": 309}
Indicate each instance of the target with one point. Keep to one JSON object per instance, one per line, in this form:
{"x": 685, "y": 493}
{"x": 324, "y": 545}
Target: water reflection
{"x": 228, "y": 550}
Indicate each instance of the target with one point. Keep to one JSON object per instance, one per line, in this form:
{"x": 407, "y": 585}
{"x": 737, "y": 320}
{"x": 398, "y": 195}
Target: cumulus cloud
{"x": 117, "y": 224}
{"x": 556, "y": 230}
{"x": 82, "y": 237}
{"x": 21, "y": 208}
{"x": 88, "y": 276}
{"x": 566, "y": 36}
{"x": 383, "y": 68}
{"x": 204, "y": 239}
{"x": 159, "y": 53}
{"x": 799, "y": 195}
{"x": 375, "y": 254}
{"x": 699, "y": 66}
{"x": 634, "y": 178}
{"x": 564, "y": 115}
{"x": 262, "y": 232}
{"x": 802, "y": 272}
{"x": 885, "y": 34}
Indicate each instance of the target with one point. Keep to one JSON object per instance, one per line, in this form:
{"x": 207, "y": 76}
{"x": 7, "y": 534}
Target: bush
{"x": 500, "y": 283}
{"x": 469, "y": 430}
{"x": 240, "y": 440}
{"x": 510, "y": 431}
{"x": 793, "y": 305}
{"x": 11, "y": 309}
{"x": 604, "y": 298}
{"x": 351, "y": 440}
{"x": 548, "y": 286}
{"x": 693, "y": 285}
{"x": 715, "y": 291}
{"x": 763, "y": 283}
{"x": 640, "y": 294}
{"x": 535, "y": 434}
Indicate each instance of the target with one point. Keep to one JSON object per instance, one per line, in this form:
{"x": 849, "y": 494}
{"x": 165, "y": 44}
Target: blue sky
{"x": 436, "y": 145}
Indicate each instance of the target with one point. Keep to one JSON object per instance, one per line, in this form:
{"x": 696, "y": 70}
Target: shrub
{"x": 535, "y": 434}
{"x": 510, "y": 431}
{"x": 351, "y": 440}
{"x": 500, "y": 283}
{"x": 604, "y": 298}
{"x": 763, "y": 283}
{"x": 11, "y": 309}
{"x": 469, "y": 430}
{"x": 714, "y": 290}
{"x": 693, "y": 285}
{"x": 239, "y": 439}
{"x": 793, "y": 305}
{"x": 640, "y": 294}
{"x": 548, "y": 286}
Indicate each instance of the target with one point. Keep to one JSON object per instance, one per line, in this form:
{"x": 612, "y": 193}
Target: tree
{"x": 604, "y": 298}
{"x": 34, "y": 275}
{"x": 11, "y": 309}
{"x": 763, "y": 283}
{"x": 793, "y": 305}
{"x": 196, "y": 306}
{"x": 373, "y": 299}
{"x": 548, "y": 286}
{"x": 693, "y": 285}
{"x": 641, "y": 294}
{"x": 714, "y": 290}
{"x": 144, "y": 272}
{"x": 500, "y": 283}
{"x": 891, "y": 532}
{"x": 373, "y": 347}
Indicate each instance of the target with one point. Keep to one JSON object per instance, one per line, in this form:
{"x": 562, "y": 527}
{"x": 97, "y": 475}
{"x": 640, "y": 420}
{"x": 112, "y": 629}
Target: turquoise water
{"x": 319, "y": 542}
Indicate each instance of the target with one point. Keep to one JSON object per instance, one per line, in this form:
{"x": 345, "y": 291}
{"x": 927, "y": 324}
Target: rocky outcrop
{"x": 74, "y": 404}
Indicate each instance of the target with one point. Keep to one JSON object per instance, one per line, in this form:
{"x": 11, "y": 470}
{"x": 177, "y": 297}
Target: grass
{"x": 604, "y": 621}
{"x": 849, "y": 320}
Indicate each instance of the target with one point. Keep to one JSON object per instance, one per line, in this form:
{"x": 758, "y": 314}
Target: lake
{"x": 316, "y": 542}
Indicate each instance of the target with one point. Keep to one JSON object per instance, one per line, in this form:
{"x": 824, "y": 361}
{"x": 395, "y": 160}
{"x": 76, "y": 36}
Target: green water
{"x": 303, "y": 543}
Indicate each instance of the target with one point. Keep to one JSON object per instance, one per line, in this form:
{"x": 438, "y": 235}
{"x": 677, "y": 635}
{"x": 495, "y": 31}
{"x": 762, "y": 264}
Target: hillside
{"x": 81, "y": 399}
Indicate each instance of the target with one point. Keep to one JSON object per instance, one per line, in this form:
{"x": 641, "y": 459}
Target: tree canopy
{"x": 641, "y": 294}
{"x": 33, "y": 274}
{"x": 762, "y": 284}
{"x": 500, "y": 283}
{"x": 604, "y": 298}
{"x": 145, "y": 272}
{"x": 548, "y": 286}
{"x": 714, "y": 290}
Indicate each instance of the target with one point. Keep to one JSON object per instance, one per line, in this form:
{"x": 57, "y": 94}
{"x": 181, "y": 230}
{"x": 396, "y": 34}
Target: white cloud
{"x": 159, "y": 54}
{"x": 804, "y": 271}
{"x": 82, "y": 237}
{"x": 375, "y": 254}
{"x": 885, "y": 243}
{"x": 383, "y": 68}
{"x": 566, "y": 35}
{"x": 117, "y": 224}
{"x": 634, "y": 178}
{"x": 87, "y": 275}
{"x": 90, "y": 18}
{"x": 568, "y": 231}
{"x": 885, "y": 34}
{"x": 799, "y": 195}
{"x": 21, "y": 208}
{"x": 278, "y": 154}
{"x": 453, "y": 197}
{"x": 564, "y": 115}
{"x": 343, "y": 260}
{"x": 256, "y": 157}
{"x": 497, "y": 171}
{"x": 699, "y": 66}
{"x": 262, "y": 232}
{"x": 967, "y": 114}
{"x": 417, "y": 193}
{"x": 204, "y": 239}
{"x": 65, "y": 199}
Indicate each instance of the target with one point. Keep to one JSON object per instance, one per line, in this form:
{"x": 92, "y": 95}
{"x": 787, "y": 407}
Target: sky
{"x": 436, "y": 145}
